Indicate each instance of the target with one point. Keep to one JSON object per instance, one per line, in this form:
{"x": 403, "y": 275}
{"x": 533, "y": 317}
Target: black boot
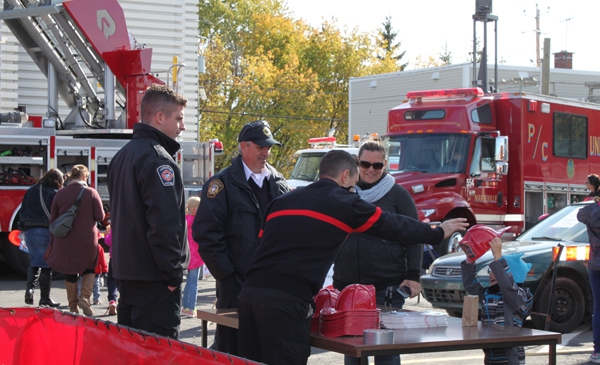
{"x": 45, "y": 279}
{"x": 33, "y": 275}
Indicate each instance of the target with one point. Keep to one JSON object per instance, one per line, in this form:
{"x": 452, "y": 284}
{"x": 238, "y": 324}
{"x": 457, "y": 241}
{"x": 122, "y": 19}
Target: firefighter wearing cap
{"x": 302, "y": 234}
{"x": 229, "y": 217}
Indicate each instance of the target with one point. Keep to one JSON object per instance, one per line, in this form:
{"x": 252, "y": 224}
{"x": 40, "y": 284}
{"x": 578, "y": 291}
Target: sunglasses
{"x": 376, "y": 166}
{"x": 258, "y": 123}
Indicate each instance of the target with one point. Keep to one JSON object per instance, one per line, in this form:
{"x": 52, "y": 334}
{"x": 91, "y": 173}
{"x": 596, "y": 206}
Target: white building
{"x": 371, "y": 97}
{"x": 168, "y": 27}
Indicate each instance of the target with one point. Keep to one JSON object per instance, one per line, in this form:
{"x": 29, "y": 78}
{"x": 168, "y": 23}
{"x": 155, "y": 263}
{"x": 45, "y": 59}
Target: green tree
{"x": 445, "y": 56}
{"x": 262, "y": 64}
{"x": 391, "y": 51}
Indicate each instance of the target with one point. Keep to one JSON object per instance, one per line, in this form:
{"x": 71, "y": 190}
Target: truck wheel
{"x": 568, "y": 307}
{"x": 16, "y": 259}
{"x": 450, "y": 244}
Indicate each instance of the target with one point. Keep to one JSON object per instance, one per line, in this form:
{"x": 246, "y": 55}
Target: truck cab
{"x": 445, "y": 149}
{"x": 306, "y": 169}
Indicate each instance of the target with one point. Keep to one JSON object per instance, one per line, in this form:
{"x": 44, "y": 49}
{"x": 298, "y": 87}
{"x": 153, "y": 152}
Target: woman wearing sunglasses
{"x": 365, "y": 259}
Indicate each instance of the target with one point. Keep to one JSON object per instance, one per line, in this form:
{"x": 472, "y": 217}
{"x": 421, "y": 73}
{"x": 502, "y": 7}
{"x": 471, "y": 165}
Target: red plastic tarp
{"x": 48, "y": 336}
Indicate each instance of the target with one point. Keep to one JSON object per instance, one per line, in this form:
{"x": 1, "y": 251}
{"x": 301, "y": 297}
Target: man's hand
{"x": 496, "y": 245}
{"x": 452, "y": 225}
{"x": 415, "y": 287}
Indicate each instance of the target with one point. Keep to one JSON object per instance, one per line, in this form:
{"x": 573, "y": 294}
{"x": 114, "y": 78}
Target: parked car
{"x": 572, "y": 303}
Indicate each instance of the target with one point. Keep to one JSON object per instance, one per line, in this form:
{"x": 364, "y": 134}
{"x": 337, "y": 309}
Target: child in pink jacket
{"x": 190, "y": 292}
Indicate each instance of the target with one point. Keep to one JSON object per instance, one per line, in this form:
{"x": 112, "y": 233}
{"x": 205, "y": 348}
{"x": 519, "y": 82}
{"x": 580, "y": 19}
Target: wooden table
{"x": 455, "y": 337}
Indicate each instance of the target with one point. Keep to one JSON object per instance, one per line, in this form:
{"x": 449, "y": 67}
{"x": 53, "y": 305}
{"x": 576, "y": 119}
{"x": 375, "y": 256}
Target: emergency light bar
{"x": 572, "y": 253}
{"x": 322, "y": 142}
{"x": 447, "y": 93}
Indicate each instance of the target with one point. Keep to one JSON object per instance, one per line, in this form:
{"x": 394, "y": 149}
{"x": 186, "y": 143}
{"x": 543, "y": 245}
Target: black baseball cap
{"x": 258, "y": 132}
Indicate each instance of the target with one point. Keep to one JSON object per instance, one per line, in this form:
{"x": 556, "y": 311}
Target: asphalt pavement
{"x": 575, "y": 349}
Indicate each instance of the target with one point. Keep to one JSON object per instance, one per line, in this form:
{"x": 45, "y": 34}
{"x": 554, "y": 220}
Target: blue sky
{"x": 424, "y": 27}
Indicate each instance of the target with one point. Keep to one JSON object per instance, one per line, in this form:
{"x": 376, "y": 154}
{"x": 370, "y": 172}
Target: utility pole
{"x": 537, "y": 36}
{"x": 538, "y": 32}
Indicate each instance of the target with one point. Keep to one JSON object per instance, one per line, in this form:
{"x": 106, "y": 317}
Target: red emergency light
{"x": 321, "y": 140}
{"x": 217, "y": 145}
{"x": 460, "y": 92}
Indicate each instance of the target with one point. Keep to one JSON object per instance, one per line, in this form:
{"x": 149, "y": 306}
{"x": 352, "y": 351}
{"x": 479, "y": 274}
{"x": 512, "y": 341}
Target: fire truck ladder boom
{"x": 57, "y": 45}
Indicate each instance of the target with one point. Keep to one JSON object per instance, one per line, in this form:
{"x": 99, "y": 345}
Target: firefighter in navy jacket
{"x": 147, "y": 205}
{"x": 301, "y": 236}
{"x": 230, "y": 215}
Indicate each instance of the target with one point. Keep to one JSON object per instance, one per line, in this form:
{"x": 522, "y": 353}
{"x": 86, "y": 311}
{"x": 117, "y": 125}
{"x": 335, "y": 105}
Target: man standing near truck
{"x": 147, "y": 204}
{"x": 230, "y": 215}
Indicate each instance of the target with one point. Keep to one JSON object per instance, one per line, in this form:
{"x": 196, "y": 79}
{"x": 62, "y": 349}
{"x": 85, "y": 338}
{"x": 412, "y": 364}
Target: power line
{"x": 289, "y": 117}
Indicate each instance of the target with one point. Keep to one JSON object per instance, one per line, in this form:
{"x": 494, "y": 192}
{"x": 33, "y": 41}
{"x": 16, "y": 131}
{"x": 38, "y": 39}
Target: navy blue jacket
{"x": 228, "y": 220}
{"x": 32, "y": 214}
{"x": 147, "y": 206}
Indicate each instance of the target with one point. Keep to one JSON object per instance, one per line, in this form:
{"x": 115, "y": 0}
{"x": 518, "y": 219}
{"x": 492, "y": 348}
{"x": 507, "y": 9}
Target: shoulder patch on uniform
{"x": 213, "y": 188}
{"x": 166, "y": 175}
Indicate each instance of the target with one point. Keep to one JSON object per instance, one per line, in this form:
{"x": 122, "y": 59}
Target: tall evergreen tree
{"x": 385, "y": 41}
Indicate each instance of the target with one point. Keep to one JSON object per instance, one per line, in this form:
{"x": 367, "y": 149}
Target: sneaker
{"x": 112, "y": 308}
{"x": 595, "y": 358}
{"x": 97, "y": 302}
{"x": 191, "y": 313}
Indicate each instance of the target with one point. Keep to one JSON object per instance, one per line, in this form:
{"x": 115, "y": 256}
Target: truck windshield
{"x": 428, "y": 152}
{"x": 307, "y": 167}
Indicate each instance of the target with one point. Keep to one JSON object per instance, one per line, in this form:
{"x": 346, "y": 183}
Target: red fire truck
{"x": 500, "y": 159}
{"x": 90, "y": 61}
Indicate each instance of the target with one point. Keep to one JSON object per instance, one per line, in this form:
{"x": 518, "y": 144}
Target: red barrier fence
{"x": 45, "y": 336}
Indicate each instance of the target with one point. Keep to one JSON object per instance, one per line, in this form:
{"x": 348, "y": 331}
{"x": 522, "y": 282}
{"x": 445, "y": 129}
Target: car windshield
{"x": 427, "y": 152}
{"x": 560, "y": 226}
{"x": 307, "y": 167}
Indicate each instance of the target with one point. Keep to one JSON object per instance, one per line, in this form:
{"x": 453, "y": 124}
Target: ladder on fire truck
{"x": 70, "y": 60}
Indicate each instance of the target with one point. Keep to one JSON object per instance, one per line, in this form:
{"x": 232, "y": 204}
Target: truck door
{"x": 487, "y": 185}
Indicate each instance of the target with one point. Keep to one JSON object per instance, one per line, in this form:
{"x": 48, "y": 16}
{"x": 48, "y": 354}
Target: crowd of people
{"x": 268, "y": 248}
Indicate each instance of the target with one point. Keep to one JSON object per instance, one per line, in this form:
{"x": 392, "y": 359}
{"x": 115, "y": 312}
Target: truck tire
{"x": 567, "y": 310}
{"x": 450, "y": 244}
{"x": 15, "y": 258}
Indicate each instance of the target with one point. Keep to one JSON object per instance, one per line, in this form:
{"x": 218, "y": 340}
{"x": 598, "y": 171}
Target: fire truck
{"x": 502, "y": 159}
{"x": 94, "y": 65}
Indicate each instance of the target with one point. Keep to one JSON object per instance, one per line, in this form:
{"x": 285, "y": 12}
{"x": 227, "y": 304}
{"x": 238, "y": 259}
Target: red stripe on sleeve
{"x": 260, "y": 233}
{"x": 327, "y": 219}
{"x": 370, "y": 222}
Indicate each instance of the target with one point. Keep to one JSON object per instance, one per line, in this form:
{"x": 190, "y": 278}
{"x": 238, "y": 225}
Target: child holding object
{"x": 190, "y": 292}
{"x": 505, "y": 302}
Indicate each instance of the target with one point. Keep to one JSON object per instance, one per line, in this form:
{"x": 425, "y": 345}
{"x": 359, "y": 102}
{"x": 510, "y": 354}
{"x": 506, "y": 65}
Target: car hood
{"x": 529, "y": 248}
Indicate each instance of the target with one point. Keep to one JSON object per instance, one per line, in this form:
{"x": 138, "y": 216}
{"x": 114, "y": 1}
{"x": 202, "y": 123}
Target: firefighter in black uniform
{"x": 230, "y": 215}
{"x": 302, "y": 234}
{"x": 149, "y": 233}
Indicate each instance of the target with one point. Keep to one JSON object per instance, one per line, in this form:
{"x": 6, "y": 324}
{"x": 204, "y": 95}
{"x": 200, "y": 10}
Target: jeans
{"x": 190, "y": 292}
{"x": 37, "y": 242}
{"x": 595, "y": 284}
{"x": 95, "y": 289}
{"x": 397, "y": 302}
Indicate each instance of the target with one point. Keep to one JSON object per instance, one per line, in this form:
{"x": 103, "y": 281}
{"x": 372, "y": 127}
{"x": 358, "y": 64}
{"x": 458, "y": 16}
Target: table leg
{"x": 364, "y": 359}
{"x": 204, "y": 333}
{"x": 552, "y": 354}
